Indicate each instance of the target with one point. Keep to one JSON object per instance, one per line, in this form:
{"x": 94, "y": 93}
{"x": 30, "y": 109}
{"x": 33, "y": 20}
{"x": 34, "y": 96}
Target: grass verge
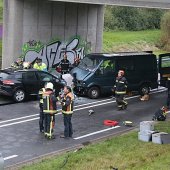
{"x": 147, "y": 40}
{"x": 124, "y": 152}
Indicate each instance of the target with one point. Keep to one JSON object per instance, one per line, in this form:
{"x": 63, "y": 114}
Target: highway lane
{"x": 13, "y": 113}
{"x": 21, "y": 141}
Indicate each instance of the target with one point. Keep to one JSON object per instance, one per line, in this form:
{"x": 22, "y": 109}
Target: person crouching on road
{"x": 49, "y": 109}
{"x": 120, "y": 90}
{"x": 67, "y": 111}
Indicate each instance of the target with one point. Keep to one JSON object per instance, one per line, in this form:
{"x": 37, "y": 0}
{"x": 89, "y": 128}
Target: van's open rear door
{"x": 164, "y": 68}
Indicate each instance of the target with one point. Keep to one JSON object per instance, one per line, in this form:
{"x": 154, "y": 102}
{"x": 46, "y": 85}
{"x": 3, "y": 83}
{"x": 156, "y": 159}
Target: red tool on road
{"x": 110, "y": 123}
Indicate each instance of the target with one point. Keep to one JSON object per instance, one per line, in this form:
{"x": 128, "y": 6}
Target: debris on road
{"x": 91, "y": 112}
{"x": 128, "y": 123}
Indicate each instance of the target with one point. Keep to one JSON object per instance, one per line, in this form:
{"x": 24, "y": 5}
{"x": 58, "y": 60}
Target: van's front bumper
{"x": 79, "y": 90}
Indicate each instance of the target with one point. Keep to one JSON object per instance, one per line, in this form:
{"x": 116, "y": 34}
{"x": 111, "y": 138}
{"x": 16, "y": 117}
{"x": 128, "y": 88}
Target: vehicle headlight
{"x": 83, "y": 83}
{"x": 64, "y": 82}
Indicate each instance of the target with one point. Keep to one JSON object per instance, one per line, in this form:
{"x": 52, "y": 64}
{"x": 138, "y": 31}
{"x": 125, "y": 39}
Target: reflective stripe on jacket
{"x": 67, "y": 104}
{"x": 64, "y": 64}
{"x": 49, "y": 102}
{"x": 120, "y": 85}
{"x": 40, "y": 94}
{"x": 120, "y": 92}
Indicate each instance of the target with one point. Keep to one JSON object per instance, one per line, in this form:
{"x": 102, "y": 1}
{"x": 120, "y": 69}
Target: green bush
{"x": 165, "y": 31}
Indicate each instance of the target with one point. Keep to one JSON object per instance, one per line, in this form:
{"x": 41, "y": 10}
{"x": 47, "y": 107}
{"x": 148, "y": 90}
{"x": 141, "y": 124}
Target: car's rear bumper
{"x": 7, "y": 91}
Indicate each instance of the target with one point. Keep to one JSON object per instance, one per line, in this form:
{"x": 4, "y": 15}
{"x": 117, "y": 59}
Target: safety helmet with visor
{"x": 49, "y": 85}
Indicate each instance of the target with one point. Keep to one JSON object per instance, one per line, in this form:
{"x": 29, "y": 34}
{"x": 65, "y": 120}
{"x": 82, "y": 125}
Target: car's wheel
{"x": 19, "y": 95}
{"x": 144, "y": 89}
{"x": 94, "y": 92}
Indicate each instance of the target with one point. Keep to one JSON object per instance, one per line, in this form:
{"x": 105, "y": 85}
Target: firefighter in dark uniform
{"x": 120, "y": 90}
{"x": 41, "y": 120}
{"x": 49, "y": 109}
{"x": 18, "y": 64}
{"x": 65, "y": 65}
{"x": 168, "y": 96}
{"x": 67, "y": 111}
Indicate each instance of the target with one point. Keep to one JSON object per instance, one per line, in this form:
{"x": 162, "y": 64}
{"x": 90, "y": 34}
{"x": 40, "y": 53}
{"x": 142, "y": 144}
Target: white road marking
{"x": 113, "y": 101}
{"x": 14, "y": 123}
{"x": 10, "y": 120}
{"x": 97, "y": 132}
{"x": 24, "y": 117}
{"x": 93, "y": 102}
{"x": 28, "y": 120}
{"x": 10, "y": 157}
{"x": 87, "y": 107}
{"x": 161, "y": 89}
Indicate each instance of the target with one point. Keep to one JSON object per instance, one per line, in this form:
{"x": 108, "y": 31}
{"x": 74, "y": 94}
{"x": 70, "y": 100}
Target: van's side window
{"x": 107, "y": 67}
{"x": 165, "y": 62}
{"x": 126, "y": 64}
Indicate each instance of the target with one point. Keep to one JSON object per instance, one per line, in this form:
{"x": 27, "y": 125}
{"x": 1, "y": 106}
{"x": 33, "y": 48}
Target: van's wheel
{"x": 144, "y": 89}
{"x": 94, "y": 92}
{"x": 19, "y": 95}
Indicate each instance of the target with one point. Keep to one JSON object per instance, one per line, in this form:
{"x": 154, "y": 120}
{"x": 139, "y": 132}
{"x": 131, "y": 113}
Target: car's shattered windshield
{"x": 89, "y": 63}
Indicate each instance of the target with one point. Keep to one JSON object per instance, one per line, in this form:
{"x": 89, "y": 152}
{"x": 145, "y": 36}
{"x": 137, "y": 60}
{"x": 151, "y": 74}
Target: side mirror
{"x": 61, "y": 77}
{"x": 74, "y": 75}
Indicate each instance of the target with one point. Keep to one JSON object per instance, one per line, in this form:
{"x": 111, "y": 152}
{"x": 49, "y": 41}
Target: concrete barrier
{"x": 0, "y": 62}
{"x": 1, "y": 162}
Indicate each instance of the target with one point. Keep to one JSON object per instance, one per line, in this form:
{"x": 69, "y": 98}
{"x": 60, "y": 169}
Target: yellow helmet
{"x": 26, "y": 65}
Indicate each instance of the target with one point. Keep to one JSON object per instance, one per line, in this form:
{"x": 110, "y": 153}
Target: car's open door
{"x": 164, "y": 68}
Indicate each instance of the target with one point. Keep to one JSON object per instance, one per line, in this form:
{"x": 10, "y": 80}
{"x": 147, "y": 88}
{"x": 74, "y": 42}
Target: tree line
{"x": 137, "y": 19}
{"x": 132, "y": 19}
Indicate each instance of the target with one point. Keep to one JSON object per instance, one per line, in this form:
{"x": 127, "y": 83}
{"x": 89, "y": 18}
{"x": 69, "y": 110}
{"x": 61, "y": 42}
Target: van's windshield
{"x": 89, "y": 63}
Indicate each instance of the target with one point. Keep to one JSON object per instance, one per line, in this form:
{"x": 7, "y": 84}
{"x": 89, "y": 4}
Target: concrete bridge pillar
{"x": 43, "y": 20}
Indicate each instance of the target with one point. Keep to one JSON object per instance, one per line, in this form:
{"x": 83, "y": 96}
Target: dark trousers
{"x": 49, "y": 122}
{"x": 120, "y": 100}
{"x": 41, "y": 120}
{"x": 68, "y": 131}
{"x": 64, "y": 71}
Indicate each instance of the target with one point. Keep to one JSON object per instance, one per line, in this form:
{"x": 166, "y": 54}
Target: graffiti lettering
{"x": 52, "y": 53}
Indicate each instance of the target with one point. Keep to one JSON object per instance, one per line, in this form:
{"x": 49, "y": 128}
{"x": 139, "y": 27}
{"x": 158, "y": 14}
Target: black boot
{"x": 124, "y": 107}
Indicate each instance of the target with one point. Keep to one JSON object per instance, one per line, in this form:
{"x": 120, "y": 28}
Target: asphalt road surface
{"x": 20, "y": 139}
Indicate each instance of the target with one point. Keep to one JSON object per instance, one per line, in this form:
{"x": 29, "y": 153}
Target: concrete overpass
{"x": 33, "y": 21}
{"x": 164, "y": 4}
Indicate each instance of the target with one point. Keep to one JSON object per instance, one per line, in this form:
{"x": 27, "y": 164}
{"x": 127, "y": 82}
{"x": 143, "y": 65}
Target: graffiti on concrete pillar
{"x": 52, "y": 53}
